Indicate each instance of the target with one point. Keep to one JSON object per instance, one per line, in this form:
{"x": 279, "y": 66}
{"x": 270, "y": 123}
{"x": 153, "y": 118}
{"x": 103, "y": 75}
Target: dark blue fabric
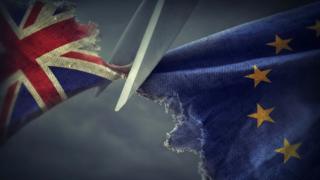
{"x": 16, "y": 9}
{"x": 204, "y": 83}
{"x": 25, "y": 108}
{"x": 69, "y": 80}
{"x": 63, "y": 7}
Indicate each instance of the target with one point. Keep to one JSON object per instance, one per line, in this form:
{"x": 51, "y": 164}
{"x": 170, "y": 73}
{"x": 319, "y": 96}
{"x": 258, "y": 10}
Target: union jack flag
{"x": 46, "y": 56}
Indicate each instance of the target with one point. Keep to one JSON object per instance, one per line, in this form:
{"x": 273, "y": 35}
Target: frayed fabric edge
{"x": 181, "y": 121}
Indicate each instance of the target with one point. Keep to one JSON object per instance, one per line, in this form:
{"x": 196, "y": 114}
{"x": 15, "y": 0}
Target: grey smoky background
{"x": 84, "y": 139}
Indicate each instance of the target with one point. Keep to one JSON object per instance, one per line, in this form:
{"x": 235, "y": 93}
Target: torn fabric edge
{"x": 188, "y": 134}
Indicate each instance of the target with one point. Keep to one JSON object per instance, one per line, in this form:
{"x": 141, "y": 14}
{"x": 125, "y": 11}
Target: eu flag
{"x": 248, "y": 99}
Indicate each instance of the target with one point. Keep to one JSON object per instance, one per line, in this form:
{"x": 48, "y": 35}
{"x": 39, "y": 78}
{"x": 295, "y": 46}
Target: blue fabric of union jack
{"x": 46, "y": 57}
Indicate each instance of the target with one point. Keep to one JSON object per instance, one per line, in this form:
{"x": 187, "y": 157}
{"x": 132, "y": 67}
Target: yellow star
{"x": 316, "y": 27}
{"x": 280, "y": 44}
{"x": 259, "y": 76}
{"x": 262, "y": 115}
{"x": 288, "y": 150}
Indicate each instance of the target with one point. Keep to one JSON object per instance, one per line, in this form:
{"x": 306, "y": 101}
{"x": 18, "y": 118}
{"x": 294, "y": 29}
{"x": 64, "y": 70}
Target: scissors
{"x": 147, "y": 37}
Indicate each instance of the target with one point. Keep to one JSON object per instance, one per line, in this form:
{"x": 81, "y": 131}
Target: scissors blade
{"x": 130, "y": 40}
{"x": 164, "y": 25}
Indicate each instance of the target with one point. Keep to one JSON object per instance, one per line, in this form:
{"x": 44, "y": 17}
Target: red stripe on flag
{"x": 6, "y": 107}
{"x": 52, "y": 37}
{"x": 33, "y": 14}
{"x": 97, "y": 60}
{"x": 84, "y": 57}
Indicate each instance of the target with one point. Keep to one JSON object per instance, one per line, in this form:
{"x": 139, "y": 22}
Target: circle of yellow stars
{"x": 262, "y": 114}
